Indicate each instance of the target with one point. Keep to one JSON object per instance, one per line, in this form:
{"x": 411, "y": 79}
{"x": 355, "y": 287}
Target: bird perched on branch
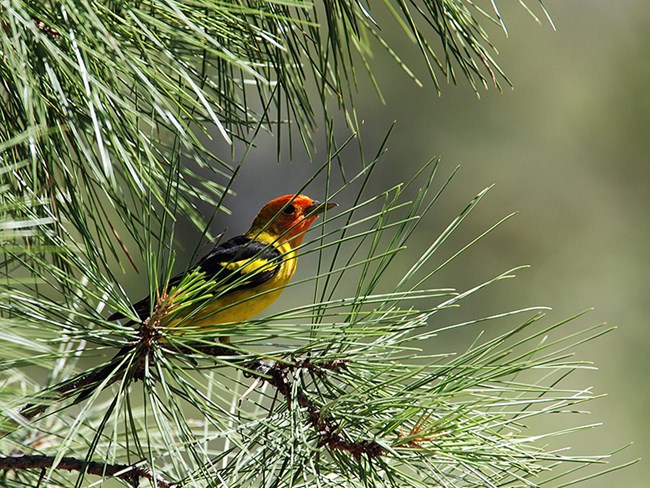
{"x": 232, "y": 283}
{"x": 240, "y": 277}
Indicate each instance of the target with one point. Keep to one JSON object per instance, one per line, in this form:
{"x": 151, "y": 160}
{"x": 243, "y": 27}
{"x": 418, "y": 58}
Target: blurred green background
{"x": 569, "y": 149}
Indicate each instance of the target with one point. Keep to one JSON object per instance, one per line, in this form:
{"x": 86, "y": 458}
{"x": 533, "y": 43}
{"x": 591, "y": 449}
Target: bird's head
{"x": 288, "y": 217}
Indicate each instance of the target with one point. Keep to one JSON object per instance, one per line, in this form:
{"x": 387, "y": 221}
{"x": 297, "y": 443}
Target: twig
{"x": 129, "y": 473}
{"x": 278, "y": 376}
{"x": 43, "y": 27}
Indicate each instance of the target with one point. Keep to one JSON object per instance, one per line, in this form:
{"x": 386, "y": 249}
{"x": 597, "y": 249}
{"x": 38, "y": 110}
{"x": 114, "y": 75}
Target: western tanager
{"x": 234, "y": 282}
{"x": 240, "y": 277}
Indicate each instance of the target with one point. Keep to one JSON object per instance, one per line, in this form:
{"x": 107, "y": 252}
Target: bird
{"x": 234, "y": 282}
{"x": 240, "y": 277}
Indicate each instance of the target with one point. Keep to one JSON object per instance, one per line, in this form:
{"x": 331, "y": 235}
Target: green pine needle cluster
{"x": 106, "y": 109}
{"x": 365, "y": 405}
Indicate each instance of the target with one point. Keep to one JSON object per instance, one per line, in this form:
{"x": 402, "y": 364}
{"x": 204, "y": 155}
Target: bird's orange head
{"x": 288, "y": 217}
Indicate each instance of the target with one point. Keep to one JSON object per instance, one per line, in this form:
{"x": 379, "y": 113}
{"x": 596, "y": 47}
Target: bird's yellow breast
{"x": 245, "y": 303}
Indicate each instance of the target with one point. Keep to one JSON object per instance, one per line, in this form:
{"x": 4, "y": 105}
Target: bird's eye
{"x": 289, "y": 210}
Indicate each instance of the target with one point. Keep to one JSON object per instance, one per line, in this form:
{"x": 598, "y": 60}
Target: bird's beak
{"x": 317, "y": 208}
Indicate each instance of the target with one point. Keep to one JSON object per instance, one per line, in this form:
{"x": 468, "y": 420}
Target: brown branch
{"x": 43, "y": 27}
{"x": 278, "y": 376}
{"x": 130, "y": 474}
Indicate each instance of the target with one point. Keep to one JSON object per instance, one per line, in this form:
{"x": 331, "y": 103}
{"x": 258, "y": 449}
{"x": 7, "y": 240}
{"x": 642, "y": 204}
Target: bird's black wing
{"x": 225, "y": 266}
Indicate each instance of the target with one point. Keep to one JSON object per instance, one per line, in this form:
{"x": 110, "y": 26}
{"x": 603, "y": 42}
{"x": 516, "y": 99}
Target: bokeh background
{"x": 569, "y": 149}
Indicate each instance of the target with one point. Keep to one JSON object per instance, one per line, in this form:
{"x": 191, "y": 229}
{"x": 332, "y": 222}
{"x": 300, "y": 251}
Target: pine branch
{"x": 349, "y": 371}
{"x": 104, "y": 114}
{"x": 129, "y": 473}
{"x": 276, "y": 373}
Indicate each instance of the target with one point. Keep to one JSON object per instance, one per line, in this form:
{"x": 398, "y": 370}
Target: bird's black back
{"x": 215, "y": 266}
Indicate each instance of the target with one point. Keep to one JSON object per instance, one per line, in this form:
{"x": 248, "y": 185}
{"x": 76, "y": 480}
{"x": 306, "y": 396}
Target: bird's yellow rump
{"x": 242, "y": 276}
